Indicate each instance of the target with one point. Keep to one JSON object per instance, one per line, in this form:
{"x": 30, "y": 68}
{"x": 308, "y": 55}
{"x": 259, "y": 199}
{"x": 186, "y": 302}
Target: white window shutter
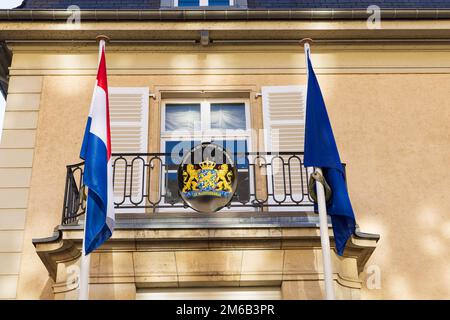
{"x": 284, "y": 131}
{"x": 284, "y": 117}
{"x": 129, "y": 134}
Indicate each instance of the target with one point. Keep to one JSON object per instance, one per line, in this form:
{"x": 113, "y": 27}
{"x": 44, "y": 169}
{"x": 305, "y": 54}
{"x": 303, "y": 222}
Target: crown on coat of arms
{"x": 207, "y": 165}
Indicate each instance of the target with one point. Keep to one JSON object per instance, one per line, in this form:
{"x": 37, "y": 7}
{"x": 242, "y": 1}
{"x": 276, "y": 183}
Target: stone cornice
{"x": 65, "y": 245}
{"x": 228, "y": 14}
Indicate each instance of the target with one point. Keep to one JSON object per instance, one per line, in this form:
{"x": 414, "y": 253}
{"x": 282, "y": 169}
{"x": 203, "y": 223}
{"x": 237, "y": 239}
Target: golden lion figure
{"x": 224, "y": 178}
{"x": 190, "y": 178}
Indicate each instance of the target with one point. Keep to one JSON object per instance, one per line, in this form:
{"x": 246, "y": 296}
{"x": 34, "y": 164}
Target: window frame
{"x": 207, "y": 135}
{"x": 205, "y": 119}
{"x": 203, "y": 3}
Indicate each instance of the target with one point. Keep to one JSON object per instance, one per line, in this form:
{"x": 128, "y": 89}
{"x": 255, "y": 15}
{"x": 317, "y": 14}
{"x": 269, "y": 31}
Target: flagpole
{"x": 323, "y": 217}
{"x": 85, "y": 267}
{"x": 86, "y": 259}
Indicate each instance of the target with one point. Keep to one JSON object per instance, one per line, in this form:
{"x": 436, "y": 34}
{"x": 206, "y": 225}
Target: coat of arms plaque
{"x": 207, "y": 178}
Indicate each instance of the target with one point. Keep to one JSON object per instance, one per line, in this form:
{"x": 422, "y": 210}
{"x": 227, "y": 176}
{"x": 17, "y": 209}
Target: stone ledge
{"x": 55, "y": 250}
{"x": 65, "y": 246}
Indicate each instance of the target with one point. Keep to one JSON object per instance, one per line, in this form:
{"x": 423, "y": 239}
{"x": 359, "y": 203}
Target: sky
{"x": 5, "y": 4}
{"x": 8, "y": 4}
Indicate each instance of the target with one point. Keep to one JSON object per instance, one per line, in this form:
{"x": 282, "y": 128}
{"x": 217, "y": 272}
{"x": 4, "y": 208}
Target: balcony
{"x": 271, "y": 209}
{"x": 147, "y": 184}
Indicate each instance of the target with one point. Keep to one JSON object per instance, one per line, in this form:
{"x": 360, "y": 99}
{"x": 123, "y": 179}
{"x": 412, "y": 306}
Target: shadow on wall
{"x": 2, "y": 114}
{"x": 47, "y": 291}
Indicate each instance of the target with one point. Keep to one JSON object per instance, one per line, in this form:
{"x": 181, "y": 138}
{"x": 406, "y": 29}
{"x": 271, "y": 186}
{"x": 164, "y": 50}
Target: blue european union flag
{"x": 321, "y": 152}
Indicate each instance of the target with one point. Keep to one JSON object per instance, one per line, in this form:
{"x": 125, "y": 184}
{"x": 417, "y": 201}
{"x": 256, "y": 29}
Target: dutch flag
{"x": 96, "y": 152}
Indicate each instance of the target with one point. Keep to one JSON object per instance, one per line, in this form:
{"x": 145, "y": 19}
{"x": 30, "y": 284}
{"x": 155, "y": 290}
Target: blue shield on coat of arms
{"x": 207, "y": 180}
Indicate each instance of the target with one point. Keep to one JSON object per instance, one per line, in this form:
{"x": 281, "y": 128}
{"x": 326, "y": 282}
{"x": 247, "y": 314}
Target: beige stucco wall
{"x": 16, "y": 160}
{"x": 390, "y": 111}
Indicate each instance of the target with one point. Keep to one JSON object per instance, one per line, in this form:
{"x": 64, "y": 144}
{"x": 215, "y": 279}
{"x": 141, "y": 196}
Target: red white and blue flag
{"x": 96, "y": 152}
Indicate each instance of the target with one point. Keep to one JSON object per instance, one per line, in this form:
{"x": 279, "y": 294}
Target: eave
{"x": 230, "y": 14}
{"x": 32, "y": 28}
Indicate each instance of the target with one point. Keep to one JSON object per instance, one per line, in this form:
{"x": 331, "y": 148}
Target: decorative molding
{"x": 140, "y": 238}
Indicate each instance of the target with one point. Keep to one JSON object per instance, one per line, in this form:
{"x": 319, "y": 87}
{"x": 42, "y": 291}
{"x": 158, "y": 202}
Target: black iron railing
{"x": 148, "y": 182}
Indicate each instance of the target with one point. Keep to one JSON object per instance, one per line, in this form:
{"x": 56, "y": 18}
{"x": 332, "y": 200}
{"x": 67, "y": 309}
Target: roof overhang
{"x": 224, "y": 25}
{"x": 24, "y": 28}
{"x": 229, "y": 14}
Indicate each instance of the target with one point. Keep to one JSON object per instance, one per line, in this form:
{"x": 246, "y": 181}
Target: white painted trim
{"x": 205, "y": 116}
{"x": 210, "y": 293}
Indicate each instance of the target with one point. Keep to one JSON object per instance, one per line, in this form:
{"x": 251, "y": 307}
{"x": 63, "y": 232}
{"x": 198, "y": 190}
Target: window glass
{"x": 196, "y": 3}
{"x": 219, "y": 2}
{"x": 178, "y": 149}
{"x": 188, "y": 3}
{"x": 236, "y": 149}
{"x": 183, "y": 117}
{"x": 228, "y": 116}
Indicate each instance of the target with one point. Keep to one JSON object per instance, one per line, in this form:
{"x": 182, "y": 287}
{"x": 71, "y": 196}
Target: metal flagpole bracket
{"x": 102, "y": 37}
{"x": 318, "y": 177}
{"x": 306, "y": 40}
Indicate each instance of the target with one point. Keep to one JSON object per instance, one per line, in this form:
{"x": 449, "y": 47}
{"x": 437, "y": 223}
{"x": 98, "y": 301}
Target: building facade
{"x": 183, "y": 73}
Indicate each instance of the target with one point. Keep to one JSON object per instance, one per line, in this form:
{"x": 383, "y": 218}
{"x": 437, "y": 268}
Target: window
{"x": 182, "y": 117}
{"x": 220, "y": 3}
{"x": 202, "y": 3}
{"x": 188, "y": 3}
{"x": 188, "y": 123}
{"x": 228, "y": 116}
